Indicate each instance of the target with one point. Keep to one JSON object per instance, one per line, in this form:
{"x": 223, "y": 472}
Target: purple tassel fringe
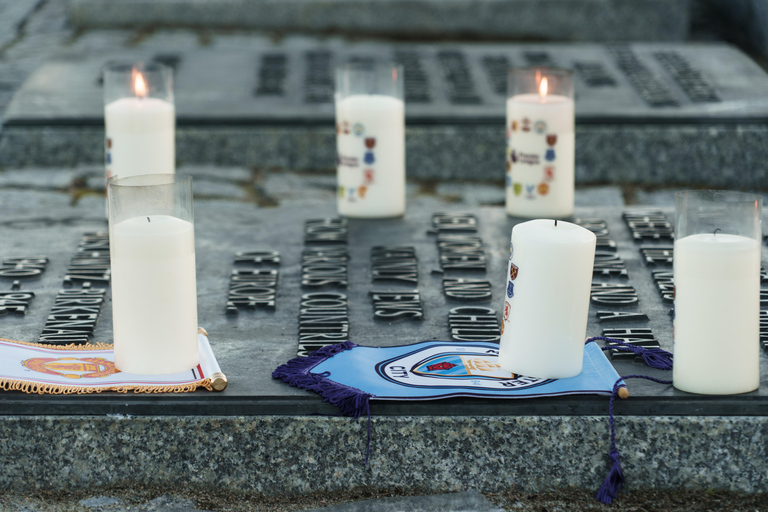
{"x": 653, "y": 357}
{"x": 296, "y": 372}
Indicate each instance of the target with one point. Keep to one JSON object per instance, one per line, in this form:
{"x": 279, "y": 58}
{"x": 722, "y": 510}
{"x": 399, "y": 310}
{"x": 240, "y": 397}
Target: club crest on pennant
{"x": 551, "y": 139}
{"x": 462, "y": 366}
{"x": 71, "y": 367}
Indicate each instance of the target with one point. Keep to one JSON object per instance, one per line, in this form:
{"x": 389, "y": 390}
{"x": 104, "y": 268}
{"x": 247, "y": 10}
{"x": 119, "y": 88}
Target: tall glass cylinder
{"x": 370, "y": 139}
{"x": 139, "y": 119}
{"x": 154, "y": 295}
{"x": 717, "y": 292}
{"x": 540, "y": 143}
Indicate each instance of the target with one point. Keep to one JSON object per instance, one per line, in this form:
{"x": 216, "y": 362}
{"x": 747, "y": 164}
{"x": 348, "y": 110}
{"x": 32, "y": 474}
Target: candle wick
{"x": 148, "y": 220}
{"x": 555, "y": 222}
{"x": 718, "y": 229}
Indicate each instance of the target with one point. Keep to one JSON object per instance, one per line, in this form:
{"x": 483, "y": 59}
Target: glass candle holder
{"x": 154, "y": 296}
{"x": 139, "y": 119}
{"x": 717, "y": 292}
{"x": 370, "y": 140}
{"x": 540, "y": 143}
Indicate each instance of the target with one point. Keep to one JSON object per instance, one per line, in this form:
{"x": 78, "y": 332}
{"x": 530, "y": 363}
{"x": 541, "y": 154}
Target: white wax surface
{"x": 383, "y": 119}
{"x": 154, "y": 296}
{"x": 141, "y": 137}
{"x": 717, "y": 312}
{"x": 545, "y": 329}
{"x": 546, "y": 187}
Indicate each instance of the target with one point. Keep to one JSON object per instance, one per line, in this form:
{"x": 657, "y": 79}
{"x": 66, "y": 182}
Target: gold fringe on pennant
{"x": 42, "y": 388}
{"x": 71, "y": 346}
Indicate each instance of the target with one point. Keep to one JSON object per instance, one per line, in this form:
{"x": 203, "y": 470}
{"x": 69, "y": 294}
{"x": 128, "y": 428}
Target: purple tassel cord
{"x": 653, "y": 357}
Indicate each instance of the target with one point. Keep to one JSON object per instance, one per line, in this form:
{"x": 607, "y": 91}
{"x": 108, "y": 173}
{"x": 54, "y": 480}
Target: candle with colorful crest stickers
{"x": 540, "y": 143}
{"x": 546, "y": 302}
{"x": 717, "y": 292}
{"x": 139, "y": 119}
{"x": 370, "y": 140}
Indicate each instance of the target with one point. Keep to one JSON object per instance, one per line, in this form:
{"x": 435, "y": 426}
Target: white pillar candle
{"x": 154, "y": 295}
{"x": 139, "y": 137}
{"x": 540, "y": 155}
{"x": 717, "y": 310}
{"x": 546, "y": 300}
{"x": 371, "y": 155}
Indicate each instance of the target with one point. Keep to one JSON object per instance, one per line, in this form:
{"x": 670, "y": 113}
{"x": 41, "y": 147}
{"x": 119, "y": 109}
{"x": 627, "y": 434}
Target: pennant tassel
{"x": 615, "y": 479}
{"x": 653, "y": 357}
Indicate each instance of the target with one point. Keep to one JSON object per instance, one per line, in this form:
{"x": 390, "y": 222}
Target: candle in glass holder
{"x": 546, "y": 299}
{"x": 139, "y": 119}
{"x": 717, "y": 292}
{"x": 370, "y": 139}
{"x": 540, "y": 143}
{"x": 154, "y": 297}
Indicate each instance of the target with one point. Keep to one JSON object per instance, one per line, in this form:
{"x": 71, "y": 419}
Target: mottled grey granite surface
{"x": 713, "y": 155}
{"x": 285, "y": 455}
{"x": 570, "y": 20}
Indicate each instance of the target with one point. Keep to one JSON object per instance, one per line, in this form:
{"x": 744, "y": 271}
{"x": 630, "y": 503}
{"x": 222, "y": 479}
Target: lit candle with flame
{"x": 140, "y": 119}
{"x": 540, "y": 144}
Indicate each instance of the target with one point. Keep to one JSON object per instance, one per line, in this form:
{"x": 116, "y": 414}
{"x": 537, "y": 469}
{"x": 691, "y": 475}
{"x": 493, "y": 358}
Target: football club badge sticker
{"x": 341, "y": 191}
{"x": 551, "y": 139}
{"x": 510, "y": 289}
{"x": 543, "y": 189}
{"x": 361, "y": 190}
{"x": 526, "y": 125}
{"x": 517, "y": 188}
{"x": 513, "y": 269}
{"x": 549, "y": 155}
{"x": 540, "y": 127}
{"x": 514, "y": 126}
{"x": 346, "y": 128}
{"x": 529, "y": 191}
{"x": 507, "y": 310}
{"x": 358, "y": 129}
{"x": 369, "y": 158}
{"x": 369, "y": 174}
{"x": 549, "y": 173}
{"x": 370, "y": 142}
{"x": 509, "y": 180}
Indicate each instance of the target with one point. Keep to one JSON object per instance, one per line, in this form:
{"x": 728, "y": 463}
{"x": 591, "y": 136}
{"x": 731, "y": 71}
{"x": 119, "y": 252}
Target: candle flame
{"x": 543, "y": 87}
{"x": 140, "y": 86}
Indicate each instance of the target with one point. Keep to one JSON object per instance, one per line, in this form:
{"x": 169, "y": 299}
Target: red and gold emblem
{"x": 507, "y": 310}
{"x": 551, "y": 140}
{"x": 72, "y": 367}
{"x": 361, "y": 190}
{"x": 549, "y": 173}
{"x": 370, "y": 142}
{"x": 543, "y": 189}
{"x": 513, "y": 271}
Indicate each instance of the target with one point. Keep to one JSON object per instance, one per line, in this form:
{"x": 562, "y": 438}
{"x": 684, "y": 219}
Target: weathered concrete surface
{"x": 558, "y": 20}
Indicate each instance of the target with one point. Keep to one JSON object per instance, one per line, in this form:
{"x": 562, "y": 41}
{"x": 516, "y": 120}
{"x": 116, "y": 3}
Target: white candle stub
{"x": 370, "y": 135}
{"x": 154, "y": 295}
{"x": 540, "y": 155}
{"x": 547, "y": 299}
{"x": 717, "y": 311}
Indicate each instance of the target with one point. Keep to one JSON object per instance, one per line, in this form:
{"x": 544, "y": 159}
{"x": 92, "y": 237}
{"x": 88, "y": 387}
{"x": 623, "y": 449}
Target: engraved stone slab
{"x": 292, "y": 82}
